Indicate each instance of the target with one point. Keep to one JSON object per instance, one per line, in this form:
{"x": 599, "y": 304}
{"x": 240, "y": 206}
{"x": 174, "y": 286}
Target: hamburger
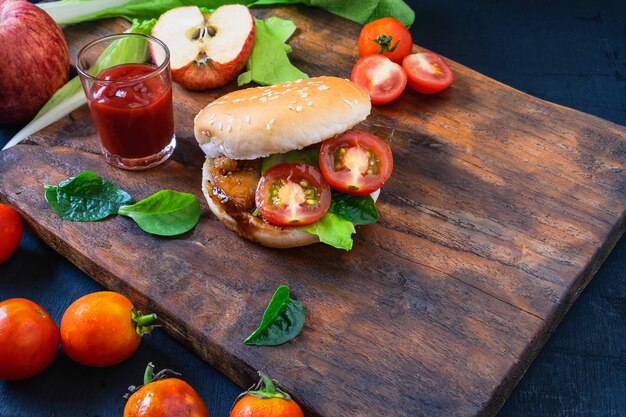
{"x": 282, "y": 167}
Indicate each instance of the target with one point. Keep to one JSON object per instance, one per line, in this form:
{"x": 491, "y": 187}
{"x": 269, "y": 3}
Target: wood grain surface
{"x": 500, "y": 210}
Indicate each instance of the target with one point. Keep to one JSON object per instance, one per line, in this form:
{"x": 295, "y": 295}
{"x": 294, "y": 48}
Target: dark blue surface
{"x": 569, "y": 52}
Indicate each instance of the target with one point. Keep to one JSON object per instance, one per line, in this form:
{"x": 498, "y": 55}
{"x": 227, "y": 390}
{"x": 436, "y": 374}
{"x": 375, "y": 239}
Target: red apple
{"x": 206, "y": 50}
{"x": 34, "y": 60}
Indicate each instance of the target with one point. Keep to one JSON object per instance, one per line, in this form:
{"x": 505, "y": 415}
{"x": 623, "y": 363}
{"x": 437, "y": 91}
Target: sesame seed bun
{"x": 257, "y": 122}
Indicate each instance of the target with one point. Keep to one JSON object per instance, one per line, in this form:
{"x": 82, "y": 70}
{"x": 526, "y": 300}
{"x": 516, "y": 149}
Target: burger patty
{"x": 237, "y": 180}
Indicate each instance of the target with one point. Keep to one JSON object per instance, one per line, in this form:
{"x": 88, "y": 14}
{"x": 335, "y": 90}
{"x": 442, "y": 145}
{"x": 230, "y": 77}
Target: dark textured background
{"x": 568, "y": 52}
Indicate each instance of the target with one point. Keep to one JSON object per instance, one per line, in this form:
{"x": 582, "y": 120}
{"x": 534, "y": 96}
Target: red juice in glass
{"x": 130, "y": 98}
{"x": 134, "y": 115}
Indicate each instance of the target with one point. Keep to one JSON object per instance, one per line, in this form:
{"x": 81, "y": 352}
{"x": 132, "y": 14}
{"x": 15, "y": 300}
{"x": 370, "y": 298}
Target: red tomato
{"x": 169, "y": 397}
{"x": 102, "y": 329}
{"x": 428, "y": 72}
{"x": 29, "y": 339}
{"x": 383, "y": 79}
{"x": 10, "y": 231}
{"x": 386, "y": 36}
{"x": 292, "y": 194}
{"x": 355, "y": 162}
{"x": 265, "y": 400}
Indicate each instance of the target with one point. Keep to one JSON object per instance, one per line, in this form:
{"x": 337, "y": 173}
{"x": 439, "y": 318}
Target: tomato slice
{"x": 428, "y": 72}
{"x": 355, "y": 162}
{"x": 383, "y": 79}
{"x": 292, "y": 194}
{"x": 386, "y": 36}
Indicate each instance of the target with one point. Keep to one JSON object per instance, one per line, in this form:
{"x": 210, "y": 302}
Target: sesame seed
{"x": 230, "y": 127}
{"x": 348, "y": 102}
{"x": 263, "y": 99}
{"x": 219, "y": 125}
{"x": 268, "y": 126}
{"x": 310, "y": 103}
{"x": 304, "y": 95}
{"x": 273, "y": 98}
{"x": 252, "y": 98}
{"x": 294, "y": 101}
{"x": 271, "y": 121}
{"x": 211, "y": 122}
{"x": 212, "y": 117}
{"x": 237, "y": 100}
{"x": 248, "y": 119}
{"x": 322, "y": 87}
{"x": 298, "y": 108}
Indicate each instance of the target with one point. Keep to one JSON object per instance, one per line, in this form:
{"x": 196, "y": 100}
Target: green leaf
{"x": 166, "y": 213}
{"x": 282, "y": 321}
{"x": 268, "y": 63}
{"x": 356, "y": 209}
{"x": 85, "y": 198}
{"x": 332, "y": 229}
{"x": 309, "y": 156}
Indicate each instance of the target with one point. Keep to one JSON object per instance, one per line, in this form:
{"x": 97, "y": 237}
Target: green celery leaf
{"x": 356, "y": 209}
{"x": 75, "y": 11}
{"x": 282, "y": 321}
{"x": 332, "y": 229}
{"x": 307, "y": 155}
{"x": 85, "y": 198}
{"x": 165, "y": 213}
{"x": 268, "y": 63}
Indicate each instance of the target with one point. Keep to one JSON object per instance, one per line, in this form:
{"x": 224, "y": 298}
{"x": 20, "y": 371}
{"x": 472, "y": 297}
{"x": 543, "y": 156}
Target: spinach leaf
{"x": 282, "y": 321}
{"x": 356, "y": 209}
{"x": 332, "y": 229}
{"x": 85, "y": 198}
{"x": 309, "y": 156}
{"x": 268, "y": 63}
{"x": 166, "y": 213}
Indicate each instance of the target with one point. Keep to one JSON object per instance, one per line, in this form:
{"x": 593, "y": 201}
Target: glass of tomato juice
{"x": 127, "y": 81}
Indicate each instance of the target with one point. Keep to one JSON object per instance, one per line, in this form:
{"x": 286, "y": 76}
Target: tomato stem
{"x": 143, "y": 322}
{"x": 265, "y": 388}
{"x": 148, "y": 374}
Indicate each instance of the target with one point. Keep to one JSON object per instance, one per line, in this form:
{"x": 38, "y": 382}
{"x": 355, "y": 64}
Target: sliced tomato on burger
{"x": 428, "y": 72}
{"x": 383, "y": 79}
{"x": 355, "y": 162}
{"x": 292, "y": 194}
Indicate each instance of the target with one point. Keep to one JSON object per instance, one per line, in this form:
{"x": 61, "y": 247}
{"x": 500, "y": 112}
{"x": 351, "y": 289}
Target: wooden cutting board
{"x": 500, "y": 210}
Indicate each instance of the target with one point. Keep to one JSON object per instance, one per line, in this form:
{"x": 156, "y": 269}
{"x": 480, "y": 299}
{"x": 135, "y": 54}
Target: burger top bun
{"x": 257, "y": 122}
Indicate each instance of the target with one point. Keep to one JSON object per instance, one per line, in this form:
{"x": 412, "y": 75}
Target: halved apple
{"x": 206, "y": 50}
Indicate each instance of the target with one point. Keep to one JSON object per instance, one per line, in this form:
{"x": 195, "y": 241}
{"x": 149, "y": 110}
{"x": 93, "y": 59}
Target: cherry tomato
{"x": 10, "y": 231}
{"x": 169, "y": 397}
{"x": 265, "y": 400}
{"x": 29, "y": 339}
{"x": 383, "y": 79}
{"x": 386, "y": 36}
{"x": 355, "y": 162}
{"x": 103, "y": 329}
{"x": 292, "y": 194}
{"x": 428, "y": 72}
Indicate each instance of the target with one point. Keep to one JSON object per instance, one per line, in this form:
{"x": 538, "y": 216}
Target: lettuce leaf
{"x": 333, "y": 230}
{"x": 309, "y": 156}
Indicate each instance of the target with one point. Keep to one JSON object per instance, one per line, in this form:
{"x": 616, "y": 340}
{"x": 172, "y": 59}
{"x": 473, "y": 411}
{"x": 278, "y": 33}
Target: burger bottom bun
{"x": 252, "y": 227}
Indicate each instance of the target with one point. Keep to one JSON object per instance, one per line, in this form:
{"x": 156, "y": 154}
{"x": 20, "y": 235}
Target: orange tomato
{"x": 102, "y": 329}
{"x": 265, "y": 400}
{"x": 170, "y": 397}
{"x": 29, "y": 339}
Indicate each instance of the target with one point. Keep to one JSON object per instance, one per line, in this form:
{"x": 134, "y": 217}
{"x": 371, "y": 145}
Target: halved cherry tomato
{"x": 355, "y": 162}
{"x": 29, "y": 339}
{"x": 103, "y": 329}
{"x": 10, "y": 231}
{"x": 265, "y": 400}
{"x": 428, "y": 72}
{"x": 383, "y": 79}
{"x": 164, "y": 397}
{"x": 292, "y": 194}
{"x": 386, "y": 36}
